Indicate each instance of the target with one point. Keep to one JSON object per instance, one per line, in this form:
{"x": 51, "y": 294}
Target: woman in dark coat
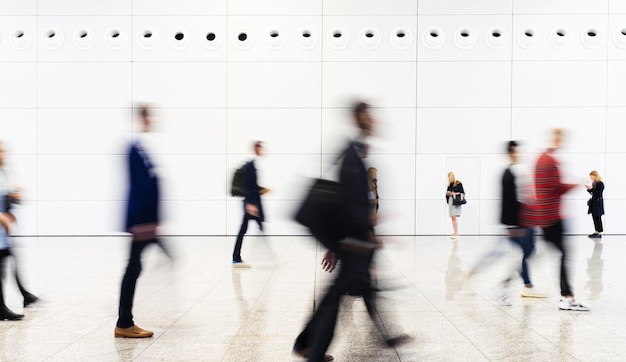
{"x": 454, "y": 193}
{"x": 596, "y": 203}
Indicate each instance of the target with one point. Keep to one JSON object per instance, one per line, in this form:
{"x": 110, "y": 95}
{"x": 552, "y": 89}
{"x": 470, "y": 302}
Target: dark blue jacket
{"x": 596, "y": 204}
{"x": 143, "y": 193}
{"x": 355, "y": 194}
{"x": 253, "y": 190}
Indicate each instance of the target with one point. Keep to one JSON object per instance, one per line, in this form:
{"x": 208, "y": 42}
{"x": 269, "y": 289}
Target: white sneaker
{"x": 570, "y": 304}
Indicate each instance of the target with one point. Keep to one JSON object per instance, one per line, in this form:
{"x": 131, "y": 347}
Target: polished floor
{"x": 203, "y": 310}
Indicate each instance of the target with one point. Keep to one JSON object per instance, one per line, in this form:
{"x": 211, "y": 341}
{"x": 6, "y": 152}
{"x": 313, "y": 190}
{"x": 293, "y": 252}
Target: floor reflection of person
{"x": 595, "y": 268}
{"x": 454, "y": 280}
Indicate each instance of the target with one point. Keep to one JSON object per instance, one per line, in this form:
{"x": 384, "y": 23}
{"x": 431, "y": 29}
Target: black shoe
{"x": 396, "y": 341}
{"x": 8, "y": 315}
{"x": 595, "y": 236}
{"x": 29, "y": 299}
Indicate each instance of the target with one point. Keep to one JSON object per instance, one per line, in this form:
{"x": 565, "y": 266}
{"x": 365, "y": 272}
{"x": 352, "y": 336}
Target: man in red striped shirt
{"x": 547, "y": 213}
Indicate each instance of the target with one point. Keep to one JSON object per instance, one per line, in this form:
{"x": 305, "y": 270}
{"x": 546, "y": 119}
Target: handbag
{"x": 322, "y": 212}
{"x": 459, "y": 199}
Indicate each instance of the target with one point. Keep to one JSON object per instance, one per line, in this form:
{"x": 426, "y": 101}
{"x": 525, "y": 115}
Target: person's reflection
{"x": 454, "y": 282}
{"x": 244, "y": 308}
{"x": 595, "y": 266}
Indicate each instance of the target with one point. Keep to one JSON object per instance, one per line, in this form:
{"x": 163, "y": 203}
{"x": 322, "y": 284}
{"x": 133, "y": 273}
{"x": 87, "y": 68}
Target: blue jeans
{"x": 526, "y": 242}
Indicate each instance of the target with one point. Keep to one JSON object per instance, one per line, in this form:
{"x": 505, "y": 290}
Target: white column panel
{"x": 25, "y": 7}
{"x": 383, "y": 84}
{"x": 18, "y": 85}
{"x": 462, "y": 130}
{"x": 101, "y": 217}
{"x": 192, "y": 177}
{"x": 83, "y": 131}
{"x": 463, "y": 7}
{"x": 431, "y": 217}
{"x": 615, "y": 129}
{"x": 180, "y": 85}
{"x": 585, "y": 128}
{"x": 83, "y": 7}
{"x": 464, "y": 84}
{"x": 369, "y": 7}
{"x": 19, "y": 131}
{"x": 572, "y": 83}
{"x": 71, "y": 178}
{"x": 560, "y": 7}
{"x": 396, "y": 217}
{"x": 193, "y": 217}
{"x": 180, "y": 7}
{"x": 284, "y": 131}
{"x": 275, "y": 7}
{"x": 616, "y": 88}
{"x": 429, "y": 182}
{"x": 274, "y": 85}
{"x": 83, "y": 85}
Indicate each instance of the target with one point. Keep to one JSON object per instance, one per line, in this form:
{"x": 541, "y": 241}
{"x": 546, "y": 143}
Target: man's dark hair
{"x": 144, "y": 111}
{"x": 360, "y": 107}
{"x": 510, "y": 146}
{"x": 258, "y": 144}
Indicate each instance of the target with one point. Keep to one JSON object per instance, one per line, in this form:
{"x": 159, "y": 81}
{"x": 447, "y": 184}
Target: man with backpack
{"x": 246, "y": 185}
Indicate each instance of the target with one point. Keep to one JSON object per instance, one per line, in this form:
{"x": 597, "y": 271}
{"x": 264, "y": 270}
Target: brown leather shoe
{"x": 132, "y": 332}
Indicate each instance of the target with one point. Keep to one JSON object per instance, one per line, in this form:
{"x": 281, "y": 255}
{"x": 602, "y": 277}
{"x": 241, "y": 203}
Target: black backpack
{"x": 238, "y": 184}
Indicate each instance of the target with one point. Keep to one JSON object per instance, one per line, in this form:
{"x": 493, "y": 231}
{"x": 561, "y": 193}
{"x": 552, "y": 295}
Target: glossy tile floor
{"x": 202, "y": 310}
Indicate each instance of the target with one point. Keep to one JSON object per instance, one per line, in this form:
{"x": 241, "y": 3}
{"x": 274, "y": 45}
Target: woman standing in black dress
{"x": 596, "y": 203}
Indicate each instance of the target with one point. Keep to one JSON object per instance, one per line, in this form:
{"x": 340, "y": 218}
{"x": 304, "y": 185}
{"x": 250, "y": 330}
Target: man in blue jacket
{"x": 142, "y": 219}
{"x": 252, "y": 207}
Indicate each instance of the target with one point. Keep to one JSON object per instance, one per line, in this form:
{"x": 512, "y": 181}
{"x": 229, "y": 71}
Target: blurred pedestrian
{"x": 455, "y": 197}
{"x": 596, "y": 203}
{"x": 142, "y": 221}
{"x": 252, "y": 206}
{"x": 9, "y": 195}
{"x": 354, "y": 252}
{"x": 547, "y": 214}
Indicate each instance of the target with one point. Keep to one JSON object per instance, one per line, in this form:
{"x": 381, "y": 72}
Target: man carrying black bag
{"x": 354, "y": 250}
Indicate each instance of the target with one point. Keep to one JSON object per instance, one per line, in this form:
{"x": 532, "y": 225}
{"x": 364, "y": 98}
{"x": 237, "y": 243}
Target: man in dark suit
{"x": 252, "y": 207}
{"x": 142, "y": 219}
{"x": 355, "y": 252}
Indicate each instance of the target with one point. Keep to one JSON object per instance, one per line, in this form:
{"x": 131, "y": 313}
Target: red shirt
{"x": 546, "y": 210}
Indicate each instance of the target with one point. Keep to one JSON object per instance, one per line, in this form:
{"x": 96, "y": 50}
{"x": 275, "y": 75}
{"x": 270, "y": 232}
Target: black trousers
{"x": 354, "y": 277}
{"x": 129, "y": 281}
{"x": 242, "y": 231}
{"x": 4, "y": 254}
{"x": 597, "y": 223}
{"x": 554, "y": 234}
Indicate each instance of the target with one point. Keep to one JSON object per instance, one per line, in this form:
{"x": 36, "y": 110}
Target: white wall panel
{"x": 369, "y": 7}
{"x": 18, "y": 85}
{"x": 275, "y": 7}
{"x": 192, "y": 177}
{"x": 26, "y": 215}
{"x": 490, "y": 217}
{"x": 396, "y": 175}
{"x": 430, "y": 181}
{"x": 22, "y": 171}
{"x": 492, "y": 167}
{"x": 189, "y": 130}
{"x": 616, "y": 87}
{"x": 585, "y": 128}
{"x": 396, "y": 217}
{"x": 385, "y": 84}
{"x": 464, "y": 84}
{"x": 467, "y": 169}
{"x": 615, "y": 130}
{"x": 464, "y": 38}
{"x": 462, "y": 130}
{"x": 615, "y": 172}
{"x": 80, "y": 217}
{"x": 25, "y": 7}
{"x": 180, "y": 85}
{"x": 284, "y": 131}
{"x": 395, "y": 130}
{"x": 19, "y": 131}
{"x": 82, "y": 131}
{"x": 431, "y": 217}
{"x": 180, "y": 7}
{"x": 193, "y": 217}
{"x": 83, "y": 85}
{"x": 179, "y": 38}
{"x": 72, "y": 178}
{"x": 560, "y": 7}
{"x": 83, "y": 7}
{"x": 578, "y": 83}
{"x": 274, "y": 85}
{"x": 464, "y": 7}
